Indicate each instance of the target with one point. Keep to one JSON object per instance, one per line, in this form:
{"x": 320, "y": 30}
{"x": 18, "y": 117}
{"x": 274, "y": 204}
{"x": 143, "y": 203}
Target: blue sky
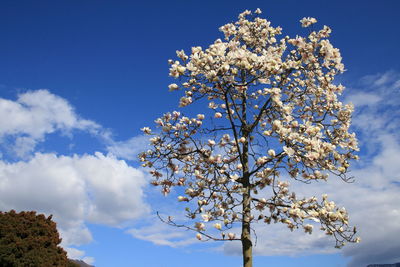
{"x": 78, "y": 79}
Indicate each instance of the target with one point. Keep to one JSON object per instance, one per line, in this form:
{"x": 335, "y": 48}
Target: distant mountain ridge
{"x": 385, "y": 265}
{"x": 81, "y": 263}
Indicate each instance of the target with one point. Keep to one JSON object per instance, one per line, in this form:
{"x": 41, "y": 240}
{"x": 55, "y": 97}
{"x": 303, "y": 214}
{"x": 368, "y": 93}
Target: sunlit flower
{"x": 173, "y": 87}
{"x": 305, "y": 22}
{"x": 200, "y": 226}
{"x": 217, "y": 226}
{"x": 198, "y": 236}
{"x": 185, "y": 101}
{"x": 308, "y": 228}
{"x": 218, "y": 115}
{"x": 181, "y": 198}
{"x": 288, "y": 150}
{"x": 146, "y": 130}
{"x": 271, "y": 152}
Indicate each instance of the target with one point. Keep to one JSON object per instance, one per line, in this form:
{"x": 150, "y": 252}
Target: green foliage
{"x": 28, "y": 239}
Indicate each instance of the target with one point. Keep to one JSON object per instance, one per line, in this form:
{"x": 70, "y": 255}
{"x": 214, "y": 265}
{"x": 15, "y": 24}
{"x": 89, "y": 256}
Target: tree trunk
{"x": 247, "y": 245}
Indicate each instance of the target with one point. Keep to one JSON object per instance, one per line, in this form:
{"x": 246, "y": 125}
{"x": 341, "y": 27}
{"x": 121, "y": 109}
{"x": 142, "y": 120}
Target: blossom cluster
{"x": 273, "y": 113}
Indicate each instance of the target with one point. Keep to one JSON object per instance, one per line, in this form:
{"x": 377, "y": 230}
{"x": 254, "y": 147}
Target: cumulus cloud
{"x": 37, "y": 113}
{"x": 152, "y": 229}
{"x": 364, "y": 99}
{"x": 74, "y": 253}
{"x": 78, "y": 189}
{"x": 376, "y": 105}
{"x": 98, "y": 188}
{"x": 160, "y": 233}
{"x": 278, "y": 240}
{"x": 129, "y": 149}
{"x": 377, "y": 192}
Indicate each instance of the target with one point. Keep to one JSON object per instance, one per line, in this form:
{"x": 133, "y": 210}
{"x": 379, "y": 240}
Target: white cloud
{"x": 278, "y": 240}
{"x": 129, "y": 149}
{"x": 78, "y": 189}
{"x": 152, "y": 229}
{"x": 35, "y": 114}
{"x": 373, "y": 204}
{"x": 160, "y": 233}
{"x": 88, "y": 260}
{"x": 74, "y": 253}
{"x": 24, "y": 145}
{"x": 363, "y": 99}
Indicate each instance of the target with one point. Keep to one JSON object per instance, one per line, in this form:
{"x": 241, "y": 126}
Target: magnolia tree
{"x": 274, "y": 117}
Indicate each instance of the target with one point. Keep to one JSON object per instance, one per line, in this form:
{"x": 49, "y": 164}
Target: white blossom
{"x": 271, "y": 152}
{"x": 308, "y": 228}
{"x": 198, "y": 236}
{"x": 173, "y": 87}
{"x": 185, "y": 101}
{"x": 217, "y": 226}
{"x": 305, "y": 22}
{"x": 146, "y": 130}
{"x": 181, "y": 198}
{"x": 231, "y": 236}
{"x": 289, "y": 151}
